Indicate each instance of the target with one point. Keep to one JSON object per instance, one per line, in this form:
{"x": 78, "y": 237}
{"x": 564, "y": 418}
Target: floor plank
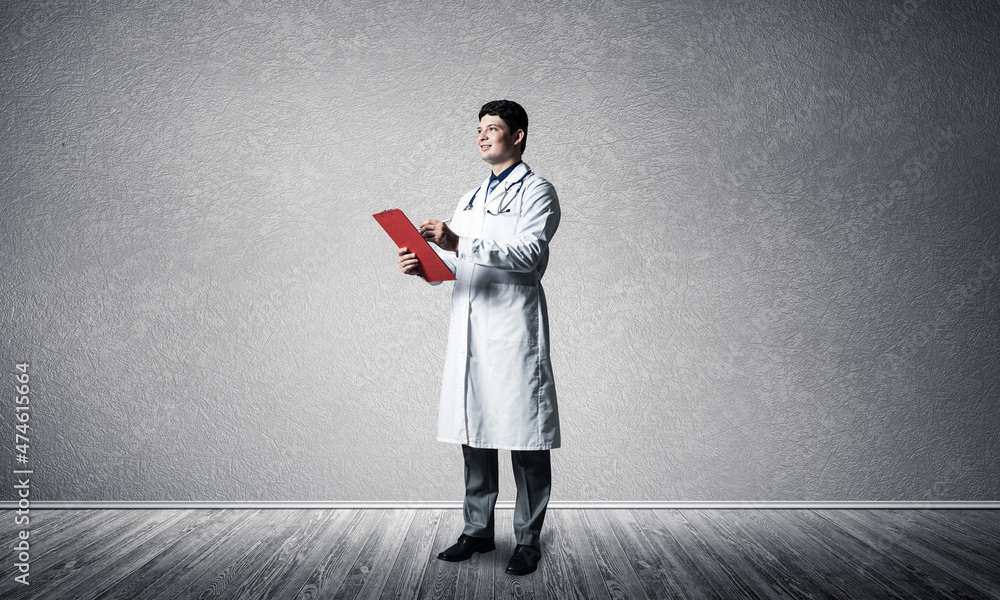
{"x": 858, "y": 558}
{"x": 509, "y": 586}
{"x": 890, "y": 561}
{"x": 222, "y": 568}
{"x": 716, "y": 559}
{"x": 883, "y": 530}
{"x": 285, "y": 571}
{"x": 45, "y": 528}
{"x": 123, "y": 582}
{"x": 663, "y": 568}
{"x": 91, "y": 549}
{"x": 475, "y": 577}
{"x": 368, "y": 575}
{"x": 440, "y": 577}
{"x": 784, "y": 572}
{"x": 320, "y": 554}
{"x": 940, "y": 531}
{"x": 340, "y": 550}
{"x": 198, "y": 560}
{"x": 408, "y": 569}
{"x": 569, "y": 567}
{"x": 619, "y": 577}
{"x": 978, "y": 523}
{"x": 776, "y": 576}
{"x": 820, "y": 561}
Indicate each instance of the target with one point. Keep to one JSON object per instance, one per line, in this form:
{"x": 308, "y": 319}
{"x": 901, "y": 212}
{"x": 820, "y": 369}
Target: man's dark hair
{"x": 511, "y": 113}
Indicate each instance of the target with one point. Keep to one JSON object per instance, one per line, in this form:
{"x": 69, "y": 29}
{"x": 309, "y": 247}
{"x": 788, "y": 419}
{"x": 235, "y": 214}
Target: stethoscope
{"x": 501, "y": 208}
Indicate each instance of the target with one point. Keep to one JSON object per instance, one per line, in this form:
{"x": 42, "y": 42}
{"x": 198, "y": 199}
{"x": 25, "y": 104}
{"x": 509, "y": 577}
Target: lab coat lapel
{"x": 502, "y": 190}
{"x": 514, "y": 176}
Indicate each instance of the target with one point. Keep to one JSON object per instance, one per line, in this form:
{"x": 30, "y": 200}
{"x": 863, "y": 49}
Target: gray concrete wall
{"x": 776, "y": 276}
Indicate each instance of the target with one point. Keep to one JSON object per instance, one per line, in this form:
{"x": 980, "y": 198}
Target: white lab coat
{"x": 498, "y": 389}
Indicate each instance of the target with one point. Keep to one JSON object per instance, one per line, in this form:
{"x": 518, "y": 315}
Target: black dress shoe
{"x": 524, "y": 560}
{"x": 466, "y": 547}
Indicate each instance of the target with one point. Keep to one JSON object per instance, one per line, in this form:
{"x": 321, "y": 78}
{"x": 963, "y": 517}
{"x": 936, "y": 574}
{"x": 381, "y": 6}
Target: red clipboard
{"x": 399, "y": 228}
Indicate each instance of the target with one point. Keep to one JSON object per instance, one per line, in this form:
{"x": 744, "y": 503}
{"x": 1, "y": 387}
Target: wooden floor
{"x": 320, "y": 554}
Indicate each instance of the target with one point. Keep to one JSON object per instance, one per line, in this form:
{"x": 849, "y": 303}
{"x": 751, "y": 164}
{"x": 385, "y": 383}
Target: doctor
{"x": 498, "y": 390}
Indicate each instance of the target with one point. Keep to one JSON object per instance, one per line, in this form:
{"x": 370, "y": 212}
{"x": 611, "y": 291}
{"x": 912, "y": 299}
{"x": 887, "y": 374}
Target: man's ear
{"x": 518, "y": 136}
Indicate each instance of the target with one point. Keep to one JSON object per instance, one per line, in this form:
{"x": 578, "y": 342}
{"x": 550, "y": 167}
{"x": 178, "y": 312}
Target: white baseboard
{"x": 457, "y": 504}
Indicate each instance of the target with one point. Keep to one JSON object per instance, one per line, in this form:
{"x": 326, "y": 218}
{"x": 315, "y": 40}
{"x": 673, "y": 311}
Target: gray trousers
{"x": 533, "y": 476}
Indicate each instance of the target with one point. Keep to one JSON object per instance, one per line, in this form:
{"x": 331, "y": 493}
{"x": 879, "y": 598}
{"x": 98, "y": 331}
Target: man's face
{"x": 496, "y": 144}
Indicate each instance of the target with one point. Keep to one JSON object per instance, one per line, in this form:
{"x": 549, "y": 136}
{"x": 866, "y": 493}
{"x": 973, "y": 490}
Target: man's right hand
{"x": 407, "y": 262}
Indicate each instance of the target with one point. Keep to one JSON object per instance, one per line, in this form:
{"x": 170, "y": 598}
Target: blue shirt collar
{"x": 505, "y": 173}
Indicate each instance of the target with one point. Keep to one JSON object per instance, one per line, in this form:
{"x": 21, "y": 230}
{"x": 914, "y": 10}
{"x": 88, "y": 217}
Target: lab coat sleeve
{"x": 536, "y": 225}
{"x": 450, "y": 261}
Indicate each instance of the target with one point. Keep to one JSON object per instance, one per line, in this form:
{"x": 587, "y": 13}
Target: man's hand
{"x": 438, "y": 232}
{"x": 407, "y": 261}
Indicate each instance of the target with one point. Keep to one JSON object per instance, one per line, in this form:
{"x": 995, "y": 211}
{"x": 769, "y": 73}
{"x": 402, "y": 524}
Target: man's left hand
{"x": 438, "y": 232}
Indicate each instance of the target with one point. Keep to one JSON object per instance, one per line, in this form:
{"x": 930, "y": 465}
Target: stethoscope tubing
{"x": 501, "y": 208}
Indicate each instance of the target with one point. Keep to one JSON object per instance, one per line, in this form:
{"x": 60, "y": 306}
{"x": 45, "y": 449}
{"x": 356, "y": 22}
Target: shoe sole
{"x": 482, "y": 550}
{"x": 513, "y": 572}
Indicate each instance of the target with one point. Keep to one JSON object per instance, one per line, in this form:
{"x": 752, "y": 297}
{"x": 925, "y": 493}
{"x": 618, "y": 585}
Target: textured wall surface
{"x": 776, "y": 276}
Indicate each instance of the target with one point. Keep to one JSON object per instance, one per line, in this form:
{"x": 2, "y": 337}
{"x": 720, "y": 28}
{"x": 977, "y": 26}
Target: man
{"x": 498, "y": 390}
